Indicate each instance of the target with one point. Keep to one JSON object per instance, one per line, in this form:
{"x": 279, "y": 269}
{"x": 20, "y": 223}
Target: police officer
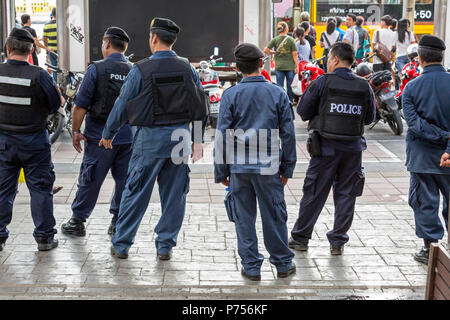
{"x": 337, "y": 106}
{"x": 161, "y": 96}
{"x": 98, "y": 92}
{"x": 253, "y": 109}
{"x": 27, "y": 96}
{"x": 425, "y": 105}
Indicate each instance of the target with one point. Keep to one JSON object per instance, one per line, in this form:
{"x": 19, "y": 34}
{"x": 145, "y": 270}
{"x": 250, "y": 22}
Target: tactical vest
{"x": 111, "y": 76}
{"x": 168, "y": 96}
{"x": 23, "y": 106}
{"x": 342, "y": 108}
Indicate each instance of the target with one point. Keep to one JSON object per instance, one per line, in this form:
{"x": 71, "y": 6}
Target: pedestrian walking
{"x": 162, "y": 95}
{"x": 383, "y": 42}
{"x": 284, "y": 50}
{"x": 255, "y": 110}
{"x": 94, "y": 101}
{"x": 27, "y": 96}
{"x": 337, "y": 106}
{"x": 425, "y": 105}
{"x": 404, "y": 37}
{"x": 329, "y": 37}
{"x": 351, "y": 35}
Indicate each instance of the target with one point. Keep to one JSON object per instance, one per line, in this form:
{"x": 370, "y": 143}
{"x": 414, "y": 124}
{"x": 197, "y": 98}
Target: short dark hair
{"x": 338, "y": 22}
{"x": 430, "y": 55}
{"x": 25, "y": 17}
{"x": 166, "y": 37}
{"x": 248, "y": 67}
{"x": 351, "y": 15}
{"x": 22, "y": 48}
{"x": 54, "y": 12}
{"x": 117, "y": 44}
{"x": 359, "y": 20}
{"x": 344, "y": 51}
{"x": 305, "y": 25}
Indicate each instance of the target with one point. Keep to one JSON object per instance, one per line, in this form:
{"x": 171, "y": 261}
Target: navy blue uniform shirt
{"x": 85, "y": 98}
{"x": 53, "y": 101}
{"x": 308, "y": 108}
{"x": 426, "y": 107}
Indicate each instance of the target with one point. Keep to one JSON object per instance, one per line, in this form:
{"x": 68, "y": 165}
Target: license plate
{"x": 214, "y": 108}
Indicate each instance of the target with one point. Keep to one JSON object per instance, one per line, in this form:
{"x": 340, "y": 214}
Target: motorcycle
{"x": 211, "y": 84}
{"x": 68, "y": 84}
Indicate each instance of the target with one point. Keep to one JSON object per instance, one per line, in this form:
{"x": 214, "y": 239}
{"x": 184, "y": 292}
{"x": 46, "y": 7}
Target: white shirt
{"x": 386, "y": 37}
{"x": 352, "y": 36}
{"x": 403, "y": 47}
{"x": 332, "y": 38}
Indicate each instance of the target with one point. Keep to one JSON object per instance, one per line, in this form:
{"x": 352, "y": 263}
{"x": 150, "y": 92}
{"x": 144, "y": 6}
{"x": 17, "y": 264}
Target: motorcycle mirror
{"x": 216, "y": 51}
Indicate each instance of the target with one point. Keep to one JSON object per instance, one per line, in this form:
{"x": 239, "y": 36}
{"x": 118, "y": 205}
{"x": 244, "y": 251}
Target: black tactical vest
{"x": 23, "y": 107}
{"x": 342, "y": 109}
{"x": 110, "y": 77}
{"x": 168, "y": 95}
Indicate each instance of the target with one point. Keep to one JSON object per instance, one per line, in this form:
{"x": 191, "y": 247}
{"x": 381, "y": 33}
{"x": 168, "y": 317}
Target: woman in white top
{"x": 403, "y": 39}
{"x": 328, "y": 38}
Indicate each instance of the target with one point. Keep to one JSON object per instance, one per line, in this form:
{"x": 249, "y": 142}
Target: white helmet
{"x": 412, "y": 51}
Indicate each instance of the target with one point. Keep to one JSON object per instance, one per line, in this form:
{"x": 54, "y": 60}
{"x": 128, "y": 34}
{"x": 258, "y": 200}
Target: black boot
{"x": 74, "y": 227}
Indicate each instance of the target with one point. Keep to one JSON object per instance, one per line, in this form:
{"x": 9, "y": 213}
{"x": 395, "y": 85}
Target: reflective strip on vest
{"x": 15, "y": 81}
{"x": 15, "y": 100}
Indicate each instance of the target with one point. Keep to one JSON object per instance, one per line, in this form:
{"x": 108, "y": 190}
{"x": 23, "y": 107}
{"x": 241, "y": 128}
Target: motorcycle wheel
{"x": 55, "y": 124}
{"x": 394, "y": 121}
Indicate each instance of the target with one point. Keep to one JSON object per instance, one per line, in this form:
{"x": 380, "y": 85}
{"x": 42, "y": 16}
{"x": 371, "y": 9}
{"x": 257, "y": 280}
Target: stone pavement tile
{"x": 181, "y": 278}
{"x": 337, "y": 273}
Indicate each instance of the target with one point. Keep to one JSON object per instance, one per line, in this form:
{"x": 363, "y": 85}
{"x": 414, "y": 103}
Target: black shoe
{"x": 46, "y": 244}
{"x": 422, "y": 255}
{"x": 286, "y": 274}
{"x": 2, "y": 243}
{"x": 74, "y": 227}
{"x": 336, "y": 250}
{"x": 112, "y": 229}
{"x": 118, "y": 255}
{"x": 164, "y": 256}
{"x": 297, "y": 245}
{"x": 250, "y": 277}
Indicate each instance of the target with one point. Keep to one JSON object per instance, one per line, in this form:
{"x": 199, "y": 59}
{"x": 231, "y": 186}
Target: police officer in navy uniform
{"x": 254, "y": 109}
{"x": 426, "y": 108}
{"x": 162, "y": 95}
{"x": 27, "y": 96}
{"x": 95, "y": 100}
{"x": 337, "y": 106}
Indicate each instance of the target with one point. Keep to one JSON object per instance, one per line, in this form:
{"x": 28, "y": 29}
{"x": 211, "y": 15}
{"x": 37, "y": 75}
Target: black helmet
{"x": 363, "y": 70}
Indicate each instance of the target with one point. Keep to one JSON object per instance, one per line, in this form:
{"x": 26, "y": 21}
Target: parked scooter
{"x": 211, "y": 84}
{"x": 68, "y": 84}
{"x": 382, "y": 86}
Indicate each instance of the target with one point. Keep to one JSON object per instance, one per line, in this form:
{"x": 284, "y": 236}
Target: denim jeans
{"x": 400, "y": 62}
{"x": 289, "y": 75}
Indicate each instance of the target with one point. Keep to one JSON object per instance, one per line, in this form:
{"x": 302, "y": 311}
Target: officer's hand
{"x": 226, "y": 182}
{"x": 105, "y": 143}
{"x": 284, "y": 180}
{"x": 445, "y": 160}
{"x": 76, "y": 141}
{"x": 197, "y": 152}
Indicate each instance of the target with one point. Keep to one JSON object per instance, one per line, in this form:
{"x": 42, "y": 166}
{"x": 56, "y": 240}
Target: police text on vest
{"x": 345, "y": 108}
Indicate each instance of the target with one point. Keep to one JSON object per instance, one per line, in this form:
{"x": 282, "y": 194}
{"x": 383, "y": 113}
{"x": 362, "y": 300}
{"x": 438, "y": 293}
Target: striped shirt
{"x": 51, "y": 35}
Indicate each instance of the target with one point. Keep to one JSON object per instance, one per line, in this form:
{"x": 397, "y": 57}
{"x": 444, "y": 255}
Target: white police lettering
{"x": 345, "y": 108}
{"x": 118, "y": 77}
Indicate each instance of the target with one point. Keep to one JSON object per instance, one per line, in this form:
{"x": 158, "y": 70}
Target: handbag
{"x": 382, "y": 52}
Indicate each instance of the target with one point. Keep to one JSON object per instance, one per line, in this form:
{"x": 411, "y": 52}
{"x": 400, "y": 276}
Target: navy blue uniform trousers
{"x": 343, "y": 172}
{"x": 97, "y": 162}
{"x": 39, "y": 175}
{"x": 424, "y": 200}
{"x": 173, "y": 181}
{"x": 245, "y": 189}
